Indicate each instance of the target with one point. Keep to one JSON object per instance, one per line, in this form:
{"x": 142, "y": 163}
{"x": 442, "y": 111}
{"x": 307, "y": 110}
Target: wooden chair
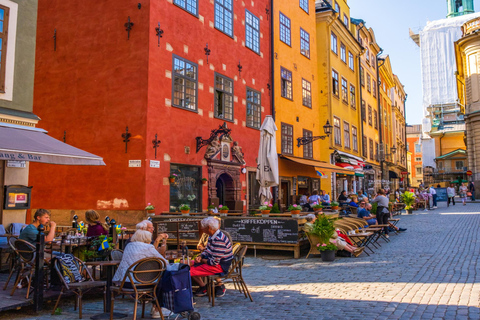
{"x": 236, "y": 247}
{"x": 234, "y": 274}
{"x": 79, "y": 288}
{"x": 143, "y": 277}
{"x": 313, "y": 239}
{"x": 116, "y": 255}
{"x": 15, "y": 261}
{"x": 4, "y": 246}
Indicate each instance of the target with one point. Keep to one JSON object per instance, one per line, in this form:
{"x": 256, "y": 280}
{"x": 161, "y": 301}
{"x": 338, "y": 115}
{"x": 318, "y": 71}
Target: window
{"x": 333, "y": 43}
{"x": 4, "y": 15}
{"x": 351, "y": 63}
{"x": 307, "y": 148}
{"x": 304, "y": 5}
{"x": 418, "y": 159}
{"x": 224, "y": 16}
{"x": 286, "y": 83}
{"x": 254, "y": 108}
{"x": 184, "y": 84}
{"x": 370, "y": 115}
{"x": 287, "y": 138}
{"x": 337, "y": 135}
{"x": 187, "y": 189}
{"x": 252, "y": 32}
{"x": 385, "y": 118}
{"x": 223, "y": 97}
{"x": 367, "y": 55}
{"x": 344, "y": 90}
{"x": 337, "y": 8}
{"x": 459, "y": 165}
{"x": 371, "y": 149}
{"x": 306, "y": 93}
{"x": 354, "y": 138}
{"x": 377, "y": 151}
{"x": 372, "y": 59}
{"x": 346, "y": 134}
{"x": 418, "y": 170}
{"x": 374, "y": 88}
{"x": 304, "y": 43}
{"x": 345, "y": 20}
{"x": 362, "y": 76}
{"x": 375, "y": 120}
{"x": 418, "y": 148}
{"x": 284, "y": 29}
{"x": 188, "y": 5}
{"x": 439, "y": 164}
{"x": 353, "y": 102}
{"x": 369, "y": 88}
{"x": 343, "y": 52}
{"x": 364, "y": 112}
{"x": 335, "y": 83}
{"x": 364, "y": 146}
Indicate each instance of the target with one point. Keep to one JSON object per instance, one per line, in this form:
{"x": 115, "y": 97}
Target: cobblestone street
{"x": 428, "y": 272}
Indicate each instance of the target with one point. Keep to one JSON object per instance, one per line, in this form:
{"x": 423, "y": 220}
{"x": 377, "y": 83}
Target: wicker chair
{"x": 116, "y": 255}
{"x": 79, "y": 288}
{"x": 26, "y": 255}
{"x": 143, "y": 277}
{"x": 313, "y": 239}
{"x": 234, "y": 274}
{"x": 15, "y": 261}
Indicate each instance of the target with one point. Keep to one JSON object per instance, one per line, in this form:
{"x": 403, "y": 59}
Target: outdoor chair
{"x": 76, "y": 278}
{"x": 116, "y": 255}
{"x": 15, "y": 228}
{"x": 4, "y": 246}
{"x": 236, "y": 247}
{"x": 313, "y": 239}
{"x": 234, "y": 274}
{"x": 14, "y": 261}
{"x": 143, "y": 277}
{"x": 26, "y": 255}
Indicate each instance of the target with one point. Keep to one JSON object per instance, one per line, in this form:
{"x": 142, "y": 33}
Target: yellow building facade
{"x": 338, "y": 88}
{"x": 296, "y": 99}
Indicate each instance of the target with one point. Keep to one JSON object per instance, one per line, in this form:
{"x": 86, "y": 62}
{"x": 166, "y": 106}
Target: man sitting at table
{"x": 148, "y": 226}
{"x": 214, "y": 260}
{"x": 364, "y": 213}
{"x": 30, "y": 232}
{"x": 202, "y": 243}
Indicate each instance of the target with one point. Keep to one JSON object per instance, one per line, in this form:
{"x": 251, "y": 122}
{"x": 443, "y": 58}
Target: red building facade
{"x": 170, "y": 71}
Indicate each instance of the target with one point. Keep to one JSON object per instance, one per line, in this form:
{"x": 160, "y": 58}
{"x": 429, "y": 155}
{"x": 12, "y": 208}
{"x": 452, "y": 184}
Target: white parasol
{"x": 267, "y": 161}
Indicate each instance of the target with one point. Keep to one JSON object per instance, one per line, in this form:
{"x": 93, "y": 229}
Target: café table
{"x": 363, "y": 239}
{"x": 110, "y": 265}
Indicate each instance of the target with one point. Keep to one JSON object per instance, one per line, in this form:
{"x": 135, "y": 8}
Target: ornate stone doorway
{"x": 225, "y": 189}
{"x": 224, "y": 185}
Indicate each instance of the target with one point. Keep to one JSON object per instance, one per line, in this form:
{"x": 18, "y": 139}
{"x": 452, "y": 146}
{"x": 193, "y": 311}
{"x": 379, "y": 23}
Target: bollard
{"x": 113, "y": 232}
{"x": 38, "y": 280}
{"x": 74, "y": 222}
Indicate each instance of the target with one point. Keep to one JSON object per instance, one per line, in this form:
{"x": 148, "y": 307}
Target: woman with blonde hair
{"x": 95, "y": 227}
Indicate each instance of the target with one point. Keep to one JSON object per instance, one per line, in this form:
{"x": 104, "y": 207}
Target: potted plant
{"x": 223, "y": 210}
{"x": 317, "y": 207}
{"x": 265, "y": 209}
{"x": 172, "y": 178}
{"x": 204, "y": 181}
{"x": 185, "y": 208}
{"x": 335, "y": 205}
{"x": 211, "y": 208}
{"x": 295, "y": 210}
{"x": 323, "y": 228}
{"x": 150, "y": 208}
{"x": 408, "y": 199}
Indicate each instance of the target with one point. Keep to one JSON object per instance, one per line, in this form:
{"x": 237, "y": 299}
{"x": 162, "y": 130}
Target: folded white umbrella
{"x": 267, "y": 161}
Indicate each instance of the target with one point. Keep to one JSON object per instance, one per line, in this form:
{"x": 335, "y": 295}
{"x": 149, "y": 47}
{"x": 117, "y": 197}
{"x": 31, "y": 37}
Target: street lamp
{"x": 327, "y": 128}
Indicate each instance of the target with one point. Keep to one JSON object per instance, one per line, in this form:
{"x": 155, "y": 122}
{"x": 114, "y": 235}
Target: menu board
{"x": 262, "y": 230}
{"x": 188, "y": 228}
{"x": 441, "y": 194}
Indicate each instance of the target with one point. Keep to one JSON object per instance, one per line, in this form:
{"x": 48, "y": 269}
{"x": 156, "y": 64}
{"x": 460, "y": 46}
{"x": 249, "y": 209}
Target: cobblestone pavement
{"x": 428, "y": 272}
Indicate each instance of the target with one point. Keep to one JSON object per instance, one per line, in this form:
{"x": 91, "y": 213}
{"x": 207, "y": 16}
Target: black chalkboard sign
{"x": 441, "y": 194}
{"x": 261, "y": 230}
{"x": 188, "y": 228}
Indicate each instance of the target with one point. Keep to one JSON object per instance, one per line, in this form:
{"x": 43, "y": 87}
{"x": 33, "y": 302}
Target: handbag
{"x": 469, "y": 194}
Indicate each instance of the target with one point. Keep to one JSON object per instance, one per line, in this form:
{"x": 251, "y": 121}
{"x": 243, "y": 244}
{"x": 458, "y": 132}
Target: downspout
{"x": 361, "y": 97}
{"x": 440, "y": 142}
{"x": 272, "y": 61}
{"x": 380, "y": 122}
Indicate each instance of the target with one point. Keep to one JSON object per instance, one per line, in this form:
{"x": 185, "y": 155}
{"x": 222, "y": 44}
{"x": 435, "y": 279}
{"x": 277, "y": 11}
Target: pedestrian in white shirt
{"x": 451, "y": 194}
{"x": 433, "y": 192}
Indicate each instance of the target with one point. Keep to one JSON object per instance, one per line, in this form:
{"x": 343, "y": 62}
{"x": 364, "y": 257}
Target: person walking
{"x": 451, "y": 194}
{"x": 433, "y": 192}
{"x": 471, "y": 188}
{"x": 463, "y": 193}
{"x": 383, "y": 214}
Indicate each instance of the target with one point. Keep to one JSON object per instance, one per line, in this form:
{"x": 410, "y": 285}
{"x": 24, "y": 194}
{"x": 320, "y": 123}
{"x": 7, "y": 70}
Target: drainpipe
{"x": 361, "y": 96}
{"x": 379, "y": 98}
{"x": 272, "y": 61}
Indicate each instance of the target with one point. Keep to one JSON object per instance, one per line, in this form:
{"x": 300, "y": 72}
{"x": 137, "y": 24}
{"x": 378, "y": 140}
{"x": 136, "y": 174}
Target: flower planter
{"x": 210, "y": 212}
{"x": 151, "y": 211}
{"x": 204, "y": 182}
{"x": 185, "y": 212}
{"x": 172, "y": 180}
{"x": 295, "y": 213}
{"x": 317, "y": 210}
{"x": 328, "y": 255}
{"x": 409, "y": 211}
{"x": 335, "y": 208}
{"x": 265, "y": 213}
{"x": 223, "y": 213}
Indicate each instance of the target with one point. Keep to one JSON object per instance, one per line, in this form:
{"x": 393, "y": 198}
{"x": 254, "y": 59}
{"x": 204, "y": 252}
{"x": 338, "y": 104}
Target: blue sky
{"x": 390, "y": 20}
